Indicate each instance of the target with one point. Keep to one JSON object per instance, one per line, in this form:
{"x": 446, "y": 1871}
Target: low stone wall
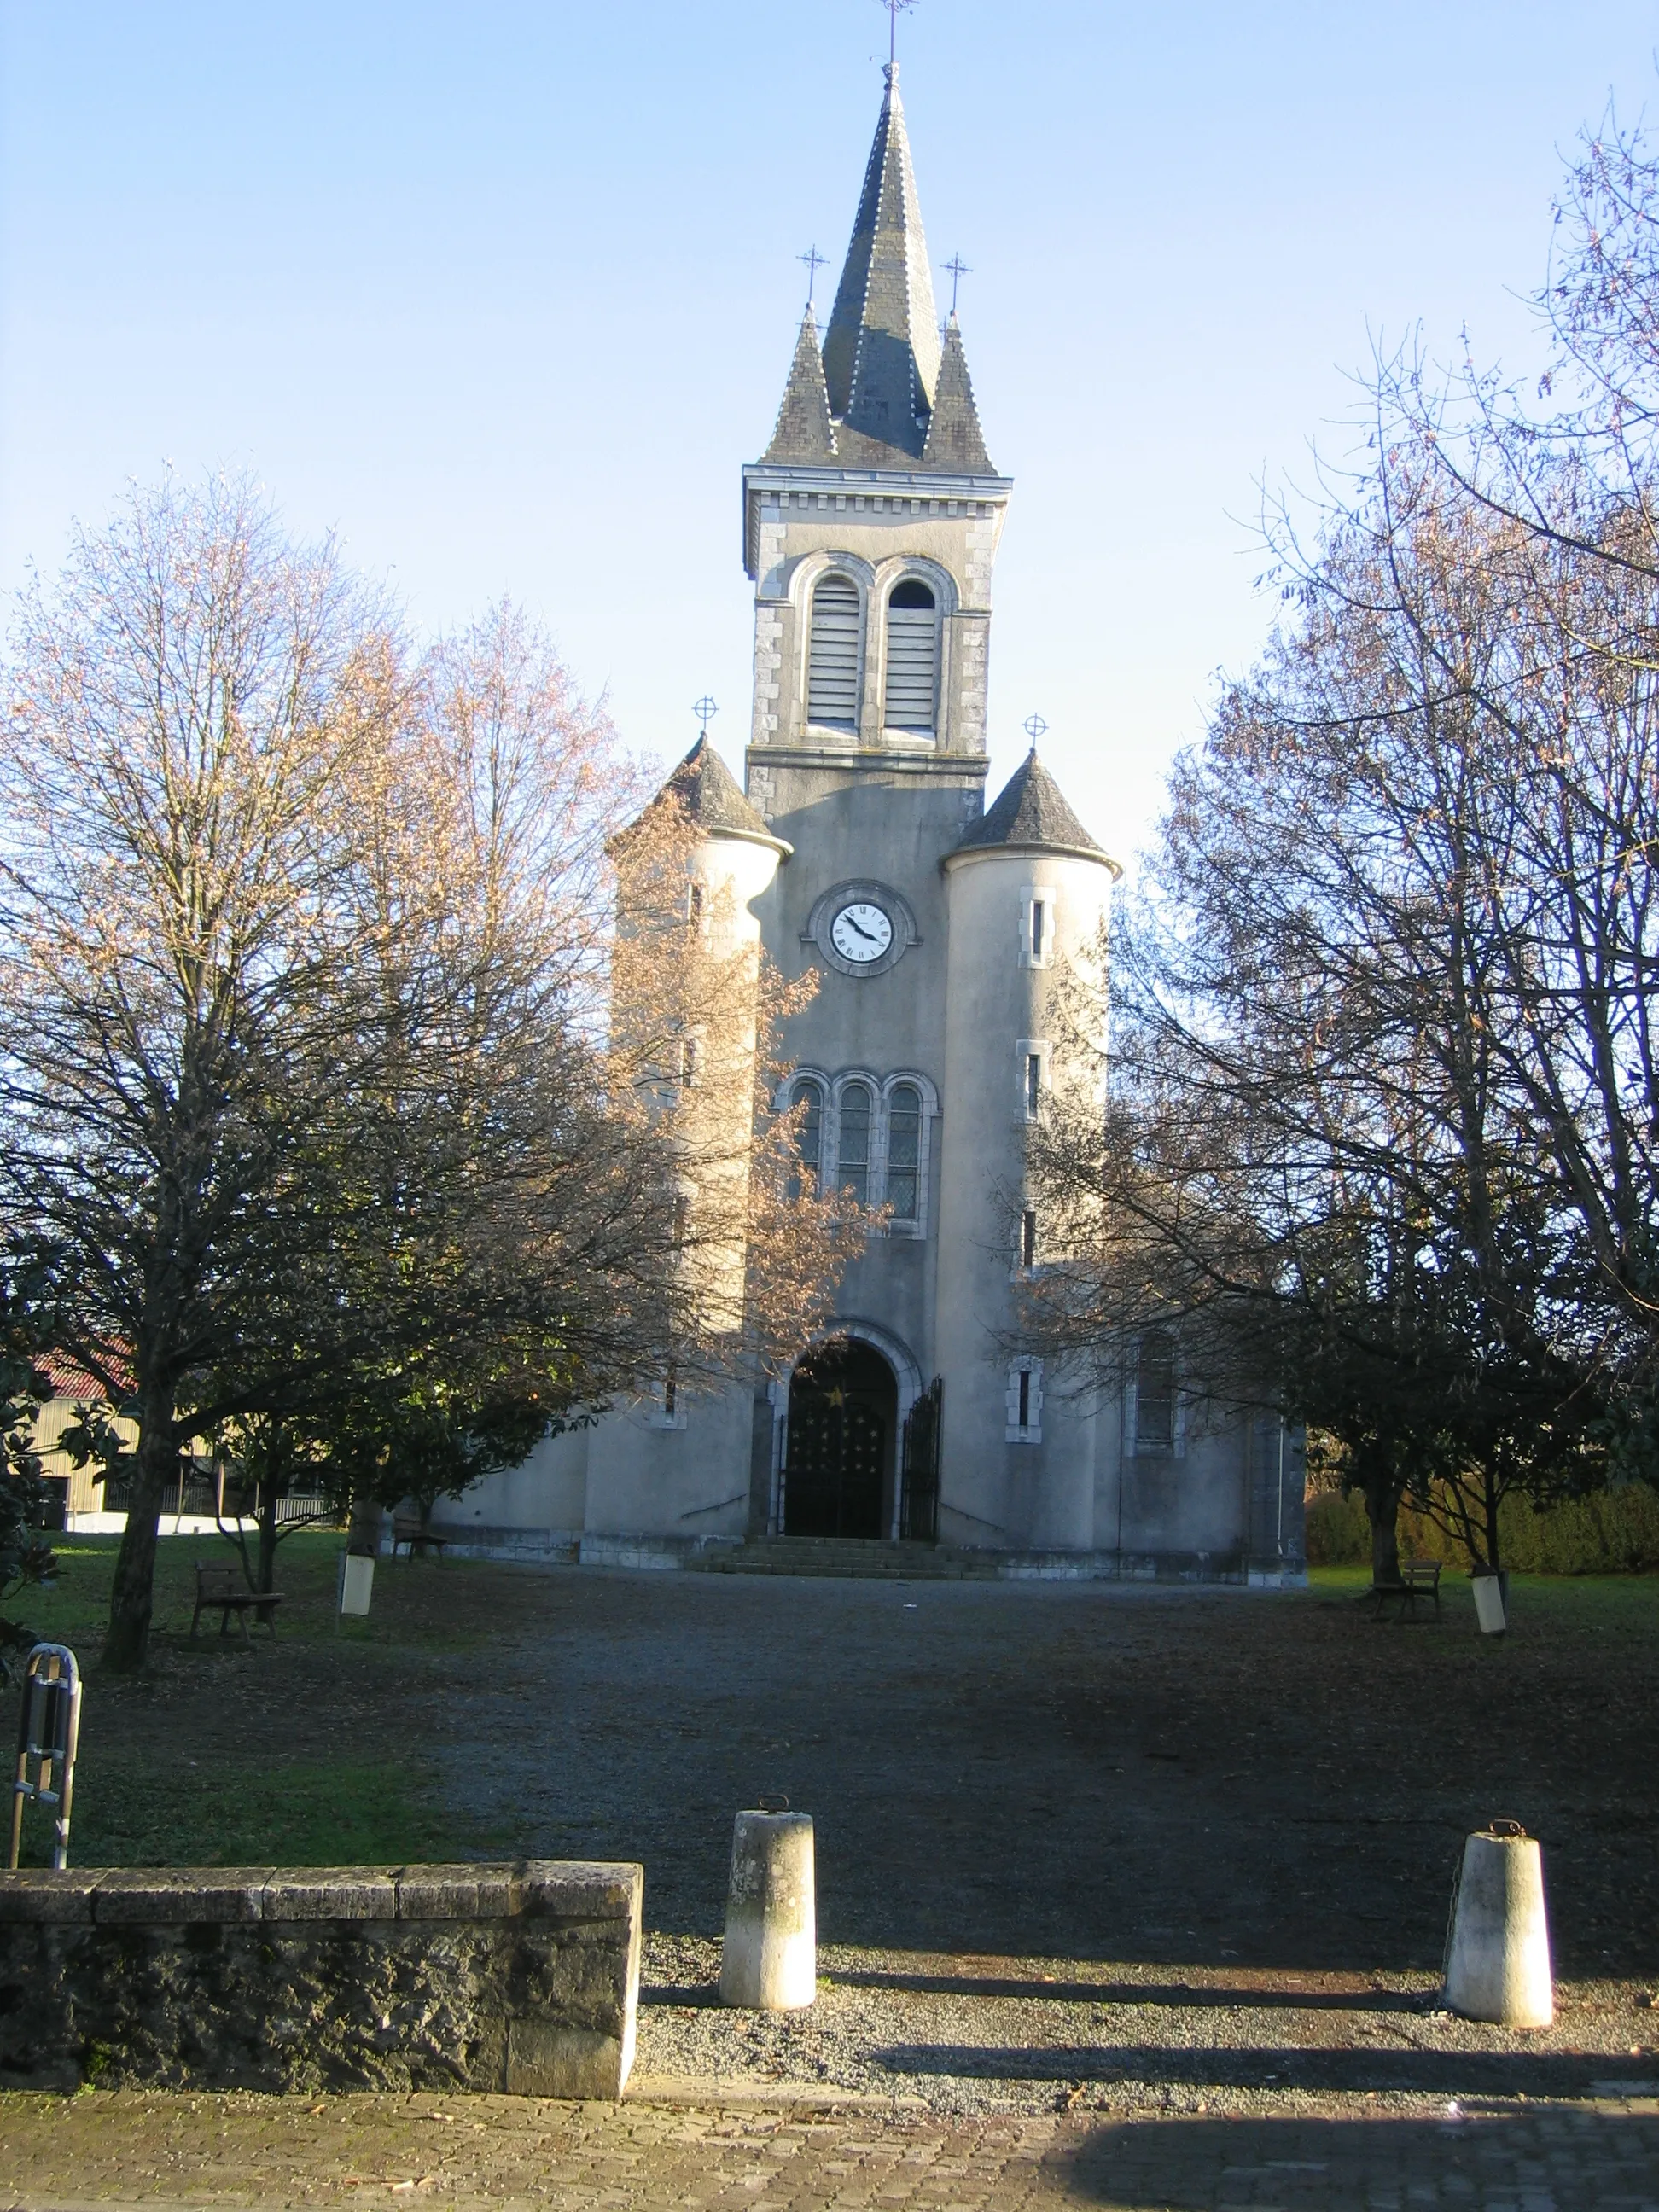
{"x": 522, "y": 1977}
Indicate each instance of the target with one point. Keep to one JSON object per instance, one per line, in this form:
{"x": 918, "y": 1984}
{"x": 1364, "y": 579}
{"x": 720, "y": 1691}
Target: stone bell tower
{"x": 871, "y": 524}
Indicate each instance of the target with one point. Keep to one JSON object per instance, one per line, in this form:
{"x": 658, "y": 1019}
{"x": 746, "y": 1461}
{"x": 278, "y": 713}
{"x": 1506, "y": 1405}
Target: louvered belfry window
{"x": 912, "y": 656}
{"x": 832, "y": 685}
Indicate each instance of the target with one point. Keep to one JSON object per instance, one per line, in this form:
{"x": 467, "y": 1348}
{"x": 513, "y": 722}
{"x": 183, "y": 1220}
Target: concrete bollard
{"x": 769, "y": 1961}
{"x": 1497, "y": 1954}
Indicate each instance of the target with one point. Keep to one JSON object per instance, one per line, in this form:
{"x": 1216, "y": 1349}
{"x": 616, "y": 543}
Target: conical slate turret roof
{"x": 711, "y": 796}
{"x": 805, "y": 432}
{"x": 1031, "y": 812}
{"x": 955, "y": 441}
{"x": 881, "y": 351}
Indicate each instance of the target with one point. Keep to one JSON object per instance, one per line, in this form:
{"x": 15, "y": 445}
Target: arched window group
{"x": 836, "y": 656}
{"x": 870, "y": 1144}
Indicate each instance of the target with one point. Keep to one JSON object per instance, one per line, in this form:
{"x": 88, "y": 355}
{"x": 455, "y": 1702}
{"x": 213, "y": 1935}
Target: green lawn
{"x": 288, "y": 1754}
{"x": 1613, "y": 1605}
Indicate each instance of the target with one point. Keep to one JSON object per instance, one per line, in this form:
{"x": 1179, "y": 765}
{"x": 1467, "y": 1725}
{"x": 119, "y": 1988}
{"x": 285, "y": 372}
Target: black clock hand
{"x": 869, "y": 935}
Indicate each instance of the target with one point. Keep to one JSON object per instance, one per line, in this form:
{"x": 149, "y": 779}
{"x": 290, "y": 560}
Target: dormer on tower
{"x": 871, "y": 524}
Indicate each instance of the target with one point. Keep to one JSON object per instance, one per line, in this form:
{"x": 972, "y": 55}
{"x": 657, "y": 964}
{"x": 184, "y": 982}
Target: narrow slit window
{"x": 690, "y": 1057}
{"x": 832, "y": 682}
{"x": 1027, "y": 1237}
{"x": 1033, "y": 1085}
{"x": 1039, "y": 928}
{"x": 1025, "y": 1397}
{"x": 671, "y": 1390}
{"x": 903, "y": 1150}
{"x": 1155, "y": 1392}
{"x": 682, "y": 1222}
{"x": 694, "y": 906}
{"x": 853, "y": 1156}
{"x": 912, "y": 656}
{"x": 808, "y": 1143}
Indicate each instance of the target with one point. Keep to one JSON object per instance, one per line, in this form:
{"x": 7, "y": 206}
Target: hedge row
{"x": 1612, "y": 1532}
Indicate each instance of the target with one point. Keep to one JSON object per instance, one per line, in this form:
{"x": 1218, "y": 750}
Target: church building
{"x": 862, "y": 847}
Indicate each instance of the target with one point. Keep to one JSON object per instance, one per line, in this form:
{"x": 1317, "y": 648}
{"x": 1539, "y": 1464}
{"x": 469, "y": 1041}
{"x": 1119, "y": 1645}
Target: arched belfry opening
{"x": 839, "y": 1455}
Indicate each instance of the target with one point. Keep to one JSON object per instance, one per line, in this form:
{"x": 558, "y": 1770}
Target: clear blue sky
{"x": 506, "y": 292}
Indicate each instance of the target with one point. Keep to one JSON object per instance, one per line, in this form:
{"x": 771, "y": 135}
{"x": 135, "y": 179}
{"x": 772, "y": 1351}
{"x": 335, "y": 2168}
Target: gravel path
{"x": 1197, "y": 1777}
{"x": 965, "y": 2036}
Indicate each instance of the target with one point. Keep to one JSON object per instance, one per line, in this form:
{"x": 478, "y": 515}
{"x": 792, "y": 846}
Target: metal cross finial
{"x": 1034, "y": 726}
{"x": 814, "y": 261}
{"x": 895, "y": 9}
{"x": 705, "y": 710}
{"x": 958, "y": 269}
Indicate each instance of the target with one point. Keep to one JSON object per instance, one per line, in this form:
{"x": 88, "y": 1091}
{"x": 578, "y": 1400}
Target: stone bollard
{"x": 1498, "y": 1953}
{"x": 769, "y": 1961}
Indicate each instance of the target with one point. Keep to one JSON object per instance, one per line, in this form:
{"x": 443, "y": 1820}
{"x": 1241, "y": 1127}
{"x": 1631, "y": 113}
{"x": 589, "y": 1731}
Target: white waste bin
{"x": 1489, "y": 1609}
{"x": 357, "y": 1582}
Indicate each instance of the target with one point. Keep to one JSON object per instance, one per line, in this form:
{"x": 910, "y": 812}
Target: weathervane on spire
{"x": 814, "y": 261}
{"x": 1034, "y": 726}
{"x": 958, "y": 269}
{"x": 705, "y": 710}
{"x": 895, "y": 9}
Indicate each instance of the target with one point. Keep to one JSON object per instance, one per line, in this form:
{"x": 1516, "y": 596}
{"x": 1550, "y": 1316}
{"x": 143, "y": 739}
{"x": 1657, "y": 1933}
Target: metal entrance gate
{"x": 919, "y": 1466}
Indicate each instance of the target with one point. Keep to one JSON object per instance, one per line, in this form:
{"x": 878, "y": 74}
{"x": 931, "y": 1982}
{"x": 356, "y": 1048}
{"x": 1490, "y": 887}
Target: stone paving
{"x": 58, "y": 2154}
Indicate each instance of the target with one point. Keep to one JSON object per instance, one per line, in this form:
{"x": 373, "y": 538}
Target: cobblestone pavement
{"x": 1349, "y": 2155}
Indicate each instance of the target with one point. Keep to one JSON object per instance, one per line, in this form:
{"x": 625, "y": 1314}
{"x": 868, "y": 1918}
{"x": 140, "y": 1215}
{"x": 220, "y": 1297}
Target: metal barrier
{"x": 47, "y": 1732}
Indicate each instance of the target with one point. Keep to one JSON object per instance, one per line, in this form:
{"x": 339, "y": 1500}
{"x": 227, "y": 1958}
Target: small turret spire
{"x": 804, "y": 431}
{"x": 955, "y": 440}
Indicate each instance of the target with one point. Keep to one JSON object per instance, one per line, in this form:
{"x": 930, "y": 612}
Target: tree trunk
{"x": 267, "y": 1570}
{"x": 363, "y": 1532}
{"x": 133, "y": 1593}
{"x": 1383, "y": 1490}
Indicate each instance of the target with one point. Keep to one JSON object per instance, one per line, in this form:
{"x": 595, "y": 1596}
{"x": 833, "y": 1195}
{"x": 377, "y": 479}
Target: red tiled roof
{"x": 69, "y": 1379}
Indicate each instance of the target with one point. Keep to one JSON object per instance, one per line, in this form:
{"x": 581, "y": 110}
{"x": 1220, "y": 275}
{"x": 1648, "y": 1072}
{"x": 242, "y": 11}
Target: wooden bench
{"x": 224, "y": 1586}
{"x": 410, "y": 1529}
{"x": 1419, "y": 1578}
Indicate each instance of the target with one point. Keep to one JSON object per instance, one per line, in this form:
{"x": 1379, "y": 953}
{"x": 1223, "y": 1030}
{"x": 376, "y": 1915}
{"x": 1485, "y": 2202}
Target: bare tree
{"x": 312, "y": 1084}
{"x": 1339, "y": 1006}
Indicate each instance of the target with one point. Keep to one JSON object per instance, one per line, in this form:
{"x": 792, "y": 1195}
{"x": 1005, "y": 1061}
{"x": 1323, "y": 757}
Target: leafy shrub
{"x": 1611, "y": 1532}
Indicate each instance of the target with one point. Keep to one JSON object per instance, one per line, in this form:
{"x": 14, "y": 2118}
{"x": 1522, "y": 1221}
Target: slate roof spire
{"x": 1031, "y": 814}
{"x": 805, "y": 432}
{"x": 881, "y": 351}
{"x": 955, "y": 440}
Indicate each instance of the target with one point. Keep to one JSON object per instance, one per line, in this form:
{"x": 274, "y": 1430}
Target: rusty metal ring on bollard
{"x": 771, "y": 1804}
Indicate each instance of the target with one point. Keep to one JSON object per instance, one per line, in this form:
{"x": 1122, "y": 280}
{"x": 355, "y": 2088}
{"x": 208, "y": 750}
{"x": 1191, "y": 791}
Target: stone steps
{"x": 861, "y": 1559}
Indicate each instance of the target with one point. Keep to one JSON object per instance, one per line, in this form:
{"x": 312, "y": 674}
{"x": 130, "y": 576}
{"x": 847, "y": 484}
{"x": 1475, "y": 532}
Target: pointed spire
{"x": 805, "y": 432}
{"x": 713, "y": 797}
{"x": 955, "y": 440}
{"x": 881, "y": 352}
{"x": 1032, "y": 814}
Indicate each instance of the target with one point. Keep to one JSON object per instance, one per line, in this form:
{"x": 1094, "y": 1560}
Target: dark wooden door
{"x": 837, "y": 1453}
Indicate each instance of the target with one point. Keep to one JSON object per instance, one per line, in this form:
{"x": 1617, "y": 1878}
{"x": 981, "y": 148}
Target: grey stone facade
{"x": 863, "y": 851}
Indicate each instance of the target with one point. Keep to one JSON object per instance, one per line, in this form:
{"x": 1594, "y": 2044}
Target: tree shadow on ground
{"x": 1394, "y": 2069}
{"x": 1546, "y": 2156}
{"x": 1187, "y": 1996}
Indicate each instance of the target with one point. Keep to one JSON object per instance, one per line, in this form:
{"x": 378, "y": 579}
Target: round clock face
{"x": 862, "y": 932}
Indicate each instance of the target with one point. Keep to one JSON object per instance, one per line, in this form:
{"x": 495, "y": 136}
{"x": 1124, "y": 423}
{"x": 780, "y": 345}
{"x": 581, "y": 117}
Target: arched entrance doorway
{"x": 843, "y": 1419}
